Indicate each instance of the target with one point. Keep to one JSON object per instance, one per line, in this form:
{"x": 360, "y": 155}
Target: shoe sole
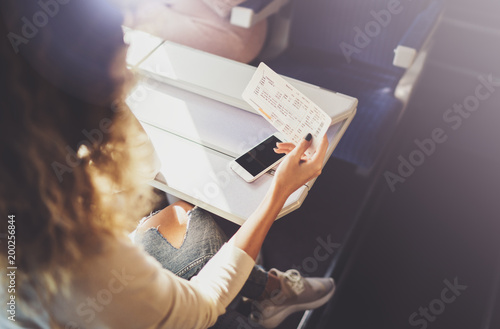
{"x": 276, "y": 319}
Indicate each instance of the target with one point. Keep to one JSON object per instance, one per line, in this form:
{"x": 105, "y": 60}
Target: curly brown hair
{"x": 67, "y": 143}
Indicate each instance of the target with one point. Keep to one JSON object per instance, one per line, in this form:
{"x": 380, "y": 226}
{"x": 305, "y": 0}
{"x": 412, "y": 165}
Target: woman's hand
{"x": 291, "y": 174}
{"x": 297, "y": 169}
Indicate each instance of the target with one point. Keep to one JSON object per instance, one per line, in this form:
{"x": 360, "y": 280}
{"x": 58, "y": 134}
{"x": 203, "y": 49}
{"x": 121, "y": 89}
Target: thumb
{"x": 299, "y": 150}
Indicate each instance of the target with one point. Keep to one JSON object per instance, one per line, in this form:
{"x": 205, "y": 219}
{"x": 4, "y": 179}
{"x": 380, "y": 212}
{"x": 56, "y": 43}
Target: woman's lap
{"x": 202, "y": 241}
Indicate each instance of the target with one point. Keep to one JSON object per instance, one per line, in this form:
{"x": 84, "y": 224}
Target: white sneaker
{"x": 297, "y": 294}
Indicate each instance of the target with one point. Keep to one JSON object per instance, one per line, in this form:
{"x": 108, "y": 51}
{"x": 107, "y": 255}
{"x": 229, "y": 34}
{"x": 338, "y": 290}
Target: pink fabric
{"x": 223, "y": 7}
{"x": 194, "y": 24}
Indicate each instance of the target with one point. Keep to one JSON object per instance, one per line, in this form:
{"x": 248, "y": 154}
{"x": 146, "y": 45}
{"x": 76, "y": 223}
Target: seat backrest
{"x": 365, "y": 31}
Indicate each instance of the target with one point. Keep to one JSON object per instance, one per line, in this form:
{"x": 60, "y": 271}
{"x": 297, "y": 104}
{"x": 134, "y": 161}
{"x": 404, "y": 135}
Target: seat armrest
{"x": 251, "y": 12}
{"x": 416, "y": 36}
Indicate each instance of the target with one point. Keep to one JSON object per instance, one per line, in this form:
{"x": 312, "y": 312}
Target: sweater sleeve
{"x": 130, "y": 289}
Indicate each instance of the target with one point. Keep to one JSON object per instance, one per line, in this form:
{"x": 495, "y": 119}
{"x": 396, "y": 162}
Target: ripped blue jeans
{"x": 202, "y": 241}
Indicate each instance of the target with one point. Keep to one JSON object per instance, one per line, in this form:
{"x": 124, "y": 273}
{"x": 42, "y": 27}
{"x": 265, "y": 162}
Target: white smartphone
{"x": 257, "y": 161}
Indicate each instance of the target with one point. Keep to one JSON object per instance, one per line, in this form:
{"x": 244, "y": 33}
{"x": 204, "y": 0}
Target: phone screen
{"x": 260, "y": 157}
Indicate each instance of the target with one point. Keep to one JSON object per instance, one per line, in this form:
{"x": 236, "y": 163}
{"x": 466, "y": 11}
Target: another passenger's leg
{"x": 192, "y": 23}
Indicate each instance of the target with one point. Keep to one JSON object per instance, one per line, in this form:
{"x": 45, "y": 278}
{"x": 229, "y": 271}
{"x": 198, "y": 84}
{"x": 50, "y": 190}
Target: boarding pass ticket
{"x": 286, "y": 108}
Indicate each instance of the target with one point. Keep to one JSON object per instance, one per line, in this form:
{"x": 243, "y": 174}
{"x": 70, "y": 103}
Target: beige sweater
{"x": 127, "y": 288}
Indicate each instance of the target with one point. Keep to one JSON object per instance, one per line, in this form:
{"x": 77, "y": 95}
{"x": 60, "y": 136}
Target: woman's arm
{"x": 147, "y": 296}
{"x": 291, "y": 174}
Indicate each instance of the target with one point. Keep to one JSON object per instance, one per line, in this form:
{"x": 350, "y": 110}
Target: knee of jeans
{"x": 204, "y": 225}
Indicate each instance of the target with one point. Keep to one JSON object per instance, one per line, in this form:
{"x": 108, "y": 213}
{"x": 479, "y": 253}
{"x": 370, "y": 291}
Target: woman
{"x": 71, "y": 186}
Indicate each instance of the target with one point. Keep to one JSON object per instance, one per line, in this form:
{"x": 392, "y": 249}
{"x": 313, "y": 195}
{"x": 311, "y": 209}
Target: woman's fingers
{"x": 284, "y": 148}
{"x": 288, "y": 146}
{"x": 301, "y": 148}
{"x": 281, "y": 151}
{"x": 317, "y": 159}
{"x": 285, "y": 144}
{"x": 321, "y": 151}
